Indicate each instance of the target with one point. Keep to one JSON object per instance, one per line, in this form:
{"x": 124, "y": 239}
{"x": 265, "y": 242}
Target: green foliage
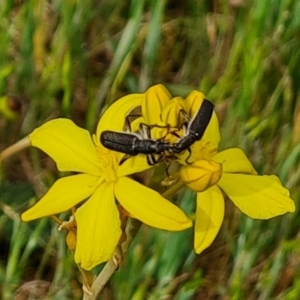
{"x": 74, "y": 58}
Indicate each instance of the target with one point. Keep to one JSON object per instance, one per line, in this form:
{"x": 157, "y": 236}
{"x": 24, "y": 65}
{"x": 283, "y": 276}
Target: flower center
{"x": 108, "y": 163}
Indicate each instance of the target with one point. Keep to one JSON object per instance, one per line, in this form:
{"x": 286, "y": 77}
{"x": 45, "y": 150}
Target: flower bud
{"x": 71, "y": 240}
{"x": 201, "y": 175}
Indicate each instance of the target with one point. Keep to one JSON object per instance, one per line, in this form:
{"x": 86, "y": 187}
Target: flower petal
{"x": 193, "y": 102}
{"x": 149, "y": 206}
{"x": 212, "y": 134}
{"x": 171, "y": 113}
{"x": 209, "y": 217}
{"x": 98, "y": 228}
{"x": 259, "y": 197}
{"x": 155, "y": 98}
{"x": 114, "y": 117}
{"x": 64, "y": 194}
{"x": 234, "y": 160}
{"x": 70, "y": 146}
{"x": 132, "y": 165}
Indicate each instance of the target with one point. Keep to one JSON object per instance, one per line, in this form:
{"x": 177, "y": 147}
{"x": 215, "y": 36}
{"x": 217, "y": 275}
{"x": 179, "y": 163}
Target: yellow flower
{"x": 230, "y": 171}
{"x": 212, "y": 173}
{"x": 101, "y": 181}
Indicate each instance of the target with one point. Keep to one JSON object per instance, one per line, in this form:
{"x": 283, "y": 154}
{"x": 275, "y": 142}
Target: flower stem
{"x": 173, "y": 189}
{"x": 13, "y": 149}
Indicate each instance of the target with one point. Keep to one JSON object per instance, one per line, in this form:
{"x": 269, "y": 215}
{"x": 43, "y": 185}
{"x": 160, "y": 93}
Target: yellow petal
{"x": 64, "y": 194}
{"x": 209, "y": 217}
{"x": 171, "y": 113}
{"x": 193, "y": 102}
{"x": 155, "y": 98}
{"x": 98, "y": 228}
{"x": 133, "y": 165}
{"x": 259, "y": 197}
{"x": 70, "y": 146}
{"x": 201, "y": 174}
{"x": 149, "y": 206}
{"x": 234, "y": 160}
{"x": 114, "y": 116}
{"x": 212, "y": 134}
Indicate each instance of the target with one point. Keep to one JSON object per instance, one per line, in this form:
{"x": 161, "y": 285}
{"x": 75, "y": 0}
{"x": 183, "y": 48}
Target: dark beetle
{"x": 132, "y": 145}
{"x": 195, "y": 128}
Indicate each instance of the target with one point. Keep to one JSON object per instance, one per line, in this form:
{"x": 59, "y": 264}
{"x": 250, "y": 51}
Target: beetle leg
{"x": 151, "y": 159}
{"x": 167, "y": 168}
{"x": 186, "y": 116}
{"x": 128, "y": 121}
{"x": 190, "y": 153}
{"x": 124, "y": 158}
{"x": 145, "y": 128}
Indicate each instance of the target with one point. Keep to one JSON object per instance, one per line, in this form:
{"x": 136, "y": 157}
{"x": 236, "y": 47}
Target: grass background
{"x": 73, "y": 58}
